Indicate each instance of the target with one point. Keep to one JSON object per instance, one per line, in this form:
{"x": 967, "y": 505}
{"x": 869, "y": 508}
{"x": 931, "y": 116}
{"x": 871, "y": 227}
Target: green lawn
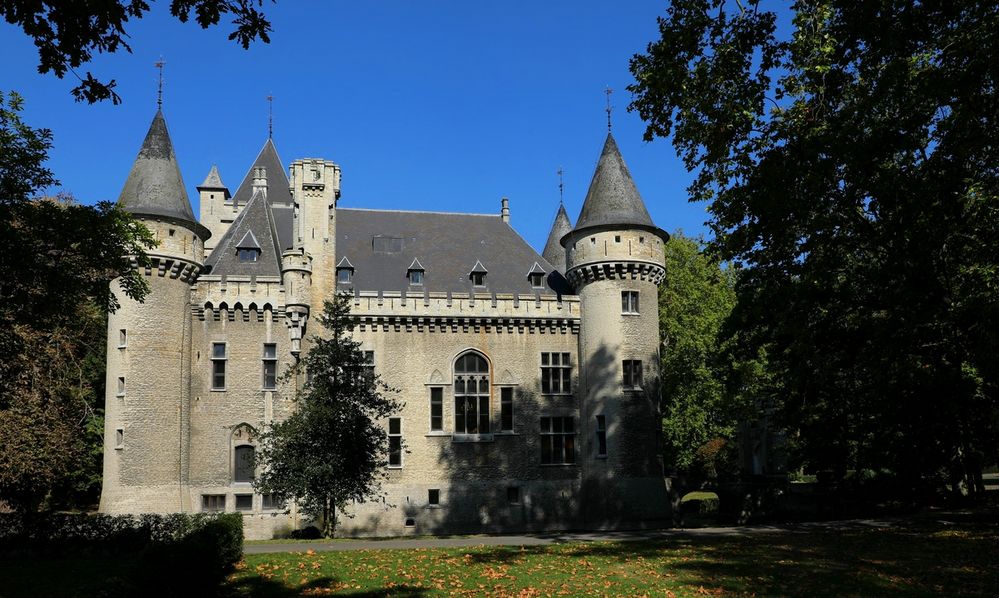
{"x": 911, "y": 561}
{"x": 914, "y": 560}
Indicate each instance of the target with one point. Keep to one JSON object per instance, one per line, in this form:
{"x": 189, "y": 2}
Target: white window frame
{"x": 629, "y": 377}
{"x": 553, "y": 374}
{"x": 439, "y": 390}
{"x": 629, "y": 303}
{"x": 215, "y": 360}
{"x": 269, "y": 360}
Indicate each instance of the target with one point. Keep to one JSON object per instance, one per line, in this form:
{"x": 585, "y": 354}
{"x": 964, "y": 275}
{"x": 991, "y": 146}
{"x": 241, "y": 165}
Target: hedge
{"x": 166, "y": 554}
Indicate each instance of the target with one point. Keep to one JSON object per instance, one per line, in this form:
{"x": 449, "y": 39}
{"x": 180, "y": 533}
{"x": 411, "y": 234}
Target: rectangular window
{"x": 556, "y": 374}
{"x": 479, "y": 279}
{"x": 629, "y": 302}
{"x": 218, "y": 366}
{"x": 437, "y": 409}
{"x": 632, "y": 373}
{"x": 369, "y": 365}
{"x": 273, "y": 502}
{"x": 244, "y": 502}
{"x": 537, "y": 280}
{"x": 122, "y": 338}
{"x": 434, "y": 496}
{"x": 213, "y": 503}
{"x": 395, "y": 442}
{"x": 416, "y": 277}
{"x": 513, "y": 495}
{"x": 270, "y": 366}
{"x": 506, "y": 409}
{"x": 343, "y": 275}
{"x": 119, "y": 438}
{"x": 601, "y": 436}
{"x": 558, "y": 441}
{"x": 121, "y": 386}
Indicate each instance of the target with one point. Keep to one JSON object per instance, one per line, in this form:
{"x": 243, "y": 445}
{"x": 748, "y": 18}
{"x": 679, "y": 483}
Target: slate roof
{"x": 213, "y": 180}
{"x": 554, "y": 252}
{"x": 254, "y": 224}
{"x": 447, "y": 245}
{"x": 613, "y": 198}
{"x": 154, "y": 186}
{"x": 277, "y": 178}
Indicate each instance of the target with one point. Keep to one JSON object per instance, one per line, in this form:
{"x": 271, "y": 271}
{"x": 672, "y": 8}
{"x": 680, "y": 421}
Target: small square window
{"x": 416, "y": 277}
{"x": 244, "y": 502}
{"x": 629, "y": 302}
{"x": 343, "y": 275}
{"x": 513, "y": 495}
{"x": 593, "y": 240}
{"x": 410, "y": 522}
{"x": 641, "y": 240}
{"x": 617, "y": 238}
{"x": 632, "y": 373}
{"x": 119, "y": 438}
{"x": 213, "y": 503}
{"x": 434, "y": 496}
{"x": 479, "y": 279}
{"x": 537, "y": 280}
{"x": 171, "y": 231}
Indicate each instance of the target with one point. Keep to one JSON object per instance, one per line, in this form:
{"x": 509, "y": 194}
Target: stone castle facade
{"x": 529, "y": 380}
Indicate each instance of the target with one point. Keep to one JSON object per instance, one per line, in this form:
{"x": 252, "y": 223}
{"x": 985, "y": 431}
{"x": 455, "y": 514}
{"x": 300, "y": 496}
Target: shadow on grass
{"x": 270, "y": 588}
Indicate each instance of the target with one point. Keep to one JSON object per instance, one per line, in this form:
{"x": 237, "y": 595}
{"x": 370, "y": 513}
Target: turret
{"x": 149, "y": 344}
{"x": 615, "y": 260}
{"x": 554, "y": 252}
{"x": 216, "y": 206}
{"x": 315, "y": 187}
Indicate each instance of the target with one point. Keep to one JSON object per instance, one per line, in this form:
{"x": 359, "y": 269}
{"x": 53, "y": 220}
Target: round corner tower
{"x": 615, "y": 259}
{"x": 149, "y": 343}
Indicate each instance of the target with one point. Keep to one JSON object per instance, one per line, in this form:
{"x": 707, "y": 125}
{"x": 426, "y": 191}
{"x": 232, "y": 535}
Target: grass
{"x": 918, "y": 559}
{"x": 915, "y": 560}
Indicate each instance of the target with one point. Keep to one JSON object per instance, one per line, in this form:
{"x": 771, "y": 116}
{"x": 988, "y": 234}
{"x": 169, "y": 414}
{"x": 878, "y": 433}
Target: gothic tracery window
{"x": 471, "y": 394}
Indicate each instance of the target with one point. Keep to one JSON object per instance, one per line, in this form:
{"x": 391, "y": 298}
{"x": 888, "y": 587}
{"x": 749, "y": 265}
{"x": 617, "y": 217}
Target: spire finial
{"x": 270, "y": 116}
{"x": 561, "y": 187}
{"x": 608, "y": 91}
{"x": 159, "y": 91}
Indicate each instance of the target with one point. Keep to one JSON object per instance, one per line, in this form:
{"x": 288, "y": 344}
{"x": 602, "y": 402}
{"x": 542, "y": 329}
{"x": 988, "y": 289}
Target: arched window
{"x": 471, "y": 394}
{"x": 242, "y": 470}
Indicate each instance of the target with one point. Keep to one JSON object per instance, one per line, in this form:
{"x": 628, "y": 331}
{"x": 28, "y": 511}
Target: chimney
{"x": 505, "y": 209}
{"x": 260, "y": 180}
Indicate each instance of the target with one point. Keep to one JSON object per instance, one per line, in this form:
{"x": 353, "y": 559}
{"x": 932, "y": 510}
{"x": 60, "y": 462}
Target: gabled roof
{"x": 448, "y": 244}
{"x": 478, "y": 267}
{"x": 253, "y": 225}
{"x": 416, "y": 265}
{"x": 613, "y": 198}
{"x": 213, "y": 181}
{"x": 277, "y": 178}
{"x": 154, "y": 186}
{"x": 344, "y": 263}
{"x": 536, "y": 269}
{"x": 554, "y": 252}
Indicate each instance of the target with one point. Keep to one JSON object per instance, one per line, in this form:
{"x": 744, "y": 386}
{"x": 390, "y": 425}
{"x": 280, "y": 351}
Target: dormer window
{"x": 415, "y": 273}
{"x": 344, "y": 271}
{"x": 478, "y": 274}
{"x": 537, "y": 276}
{"x": 248, "y": 249}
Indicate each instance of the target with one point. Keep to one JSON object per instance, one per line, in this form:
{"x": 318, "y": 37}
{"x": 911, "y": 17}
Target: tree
{"x": 331, "y": 450}
{"x": 57, "y": 261}
{"x": 851, "y": 170}
{"x": 68, "y": 34}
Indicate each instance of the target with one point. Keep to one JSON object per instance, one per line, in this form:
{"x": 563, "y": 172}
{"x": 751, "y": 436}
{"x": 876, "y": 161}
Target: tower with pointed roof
{"x": 615, "y": 261}
{"x": 148, "y": 399}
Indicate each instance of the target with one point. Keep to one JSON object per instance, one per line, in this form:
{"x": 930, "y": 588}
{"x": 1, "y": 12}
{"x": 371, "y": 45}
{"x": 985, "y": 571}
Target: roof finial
{"x": 159, "y": 91}
{"x": 561, "y": 187}
{"x": 270, "y": 116}
{"x": 608, "y": 91}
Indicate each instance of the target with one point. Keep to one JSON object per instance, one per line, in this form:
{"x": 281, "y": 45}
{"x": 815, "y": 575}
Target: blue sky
{"x": 443, "y": 106}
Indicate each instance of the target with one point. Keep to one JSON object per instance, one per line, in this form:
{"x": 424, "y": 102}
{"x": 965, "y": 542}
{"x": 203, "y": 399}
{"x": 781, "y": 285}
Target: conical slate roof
{"x": 613, "y": 198}
{"x": 213, "y": 180}
{"x": 252, "y": 229}
{"x": 154, "y": 186}
{"x": 277, "y": 178}
{"x": 554, "y": 252}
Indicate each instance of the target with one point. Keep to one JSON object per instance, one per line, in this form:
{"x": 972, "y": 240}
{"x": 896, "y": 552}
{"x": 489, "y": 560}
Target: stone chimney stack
{"x": 260, "y": 180}
{"x": 505, "y": 209}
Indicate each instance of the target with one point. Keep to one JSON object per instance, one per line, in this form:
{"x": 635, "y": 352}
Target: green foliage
{"x": 68, "y": 34}
{"x": 331, "y": 450}
{"x": 57, "y": 262}
{"x": 851, "y": 170}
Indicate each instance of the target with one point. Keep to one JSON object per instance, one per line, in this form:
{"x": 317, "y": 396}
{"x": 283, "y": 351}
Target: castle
{"x": 529, "y": 381}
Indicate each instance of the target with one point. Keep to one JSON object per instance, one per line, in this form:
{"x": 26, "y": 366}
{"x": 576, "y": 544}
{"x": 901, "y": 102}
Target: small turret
{"x": 554, "y": 252}
{"x": 215, "y": 206}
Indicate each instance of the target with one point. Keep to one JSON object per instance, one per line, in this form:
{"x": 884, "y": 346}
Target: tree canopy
{"x": 332, "y": 449}
{"x": 851, "y": 169}
{"x": 68, "y": 34}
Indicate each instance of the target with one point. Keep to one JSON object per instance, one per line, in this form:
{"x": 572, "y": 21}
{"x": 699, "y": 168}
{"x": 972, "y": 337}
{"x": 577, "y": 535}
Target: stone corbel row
{"x": 468, "y": 324}
{"x": 174, "y": 268}
{"x": 588, "y": 273}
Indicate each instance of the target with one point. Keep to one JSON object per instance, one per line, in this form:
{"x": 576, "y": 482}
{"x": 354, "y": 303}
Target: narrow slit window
{"x": 218, "y": 366}
{"x": 506, "y": 409}
{"x": 437, "y": 409}
{"x": 122, "y": 338}
{"x": 119, "y": 438}
{"x": 395, "y": 441}
{"x": 121, "y": 386}
{"x": 601, "y": 436}
{"x": 270, "y": 366}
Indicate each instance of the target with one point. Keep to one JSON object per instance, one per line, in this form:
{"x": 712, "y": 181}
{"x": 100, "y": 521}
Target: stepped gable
{"x": 613, "y": 199}
{"x": 154, "y": 186}
{"x": 253, "y": 229}
{"x": 554, "y": 252}
{"x": 382, "y": 245}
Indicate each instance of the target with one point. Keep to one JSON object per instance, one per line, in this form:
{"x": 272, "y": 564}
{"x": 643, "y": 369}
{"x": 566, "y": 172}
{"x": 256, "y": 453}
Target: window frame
{"x": 433, "y": 497}
{"x": 507, "y": 413}
{"x": 206, "y": 498}
{"x": 243, "y": 254}
{"x": 478, "y": 279}
{"x": 633, "y": 374}
{"x": 437, "y": 403}
{"x": 349, "y": 275}
{"x": 630, "y": 303}
{"x": 394, "y": 438}
{"x": 556, "y": 374}
{"x": 219, "y": 365}
{"x": 269, "y": 362}
{"x": 537, "y": 280}
{"x": 236, "y": 506}
{"x": 120, "y": 392}
{"x": 601, "y": 436}
{"x": 418, "y": 274}
{"x": 272, "y": 501}
{"x": 566, "y": 440}
{"x": 237, "y": 469}
{"x": 478, "y": 399}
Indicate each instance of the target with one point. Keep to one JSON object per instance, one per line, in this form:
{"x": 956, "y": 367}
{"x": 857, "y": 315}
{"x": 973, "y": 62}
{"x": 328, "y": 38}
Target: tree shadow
{"x": 259, "y": 587}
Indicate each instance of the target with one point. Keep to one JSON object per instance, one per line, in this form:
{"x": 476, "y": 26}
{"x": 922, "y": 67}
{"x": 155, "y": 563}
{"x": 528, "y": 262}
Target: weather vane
{"x": 159, "y": 91}
{"x": 608, "y": 91}
{"x": 560, "y": 185}
{"x": 270, "y": 116}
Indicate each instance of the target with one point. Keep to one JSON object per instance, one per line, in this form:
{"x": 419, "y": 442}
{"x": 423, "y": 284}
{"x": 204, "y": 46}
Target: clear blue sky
{"x": 426, "y": 106}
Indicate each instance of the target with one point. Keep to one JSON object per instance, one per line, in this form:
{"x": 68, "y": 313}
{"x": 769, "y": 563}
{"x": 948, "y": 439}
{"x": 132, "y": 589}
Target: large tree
{"x": 57, "y": 261}
{"x": 850, "y": 164}
{"x": 332, "y": 450}
{"x": 69, "y": 33}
